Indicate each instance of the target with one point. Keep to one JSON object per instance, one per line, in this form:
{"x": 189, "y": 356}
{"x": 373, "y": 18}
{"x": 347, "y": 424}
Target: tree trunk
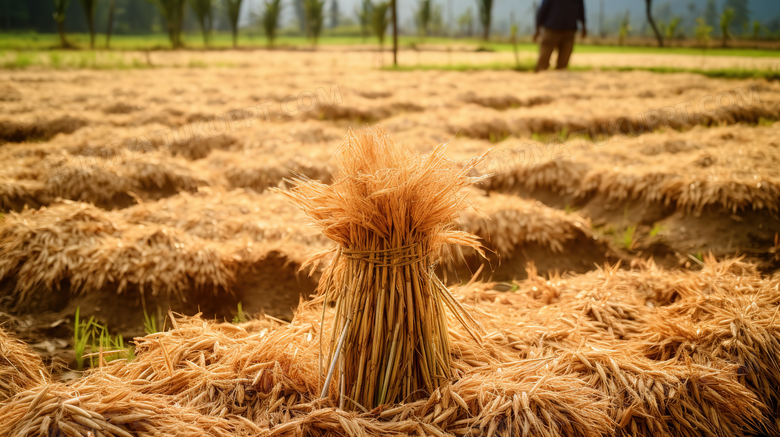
{"x": 649, "y": 4}
{"x": 110, "y": 23}
{"x": 178, "y": 25}
{"x": 486, "y": 31}
{"x": 204, "y": 32}
{"x": 395, "y": 34}
{"x": 61, "y": 30}
{"x": 91, "y": 25}
{"x": 235, "y": 36}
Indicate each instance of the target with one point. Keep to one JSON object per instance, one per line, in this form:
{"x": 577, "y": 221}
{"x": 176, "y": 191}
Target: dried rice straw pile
{"x": 552, "y": 364}
{"x": 515, "y": 222}
{"x": 184, "y": 245}
{"x": 391, "y": 212}
{"x": 20, "y": 368}
{"x": 733, "y": 315}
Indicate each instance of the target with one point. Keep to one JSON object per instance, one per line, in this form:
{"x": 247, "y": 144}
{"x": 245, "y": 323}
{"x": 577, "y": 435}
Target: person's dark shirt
{"x": 560, "y": 14}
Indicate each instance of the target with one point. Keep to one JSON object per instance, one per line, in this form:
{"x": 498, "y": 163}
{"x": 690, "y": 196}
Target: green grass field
{"x": 726, "y": 73}
{"x": 35, "y": 41}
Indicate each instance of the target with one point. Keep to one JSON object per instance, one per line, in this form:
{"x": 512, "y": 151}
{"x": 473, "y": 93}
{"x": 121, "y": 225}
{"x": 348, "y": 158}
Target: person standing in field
{"x": 559, "y": 19}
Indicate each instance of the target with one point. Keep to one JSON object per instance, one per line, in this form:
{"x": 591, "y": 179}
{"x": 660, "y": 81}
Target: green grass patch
{"x": 81, "y": 334}
{"x": 92, "y": 60}
{"x": 498, "y": 66}
{"x": 725, "y": 73}
{"x": 89, "y": 333}
{"x": 150, "y": 322}
{"x": 657, "y": 228}
{"x": 627, "y": 239}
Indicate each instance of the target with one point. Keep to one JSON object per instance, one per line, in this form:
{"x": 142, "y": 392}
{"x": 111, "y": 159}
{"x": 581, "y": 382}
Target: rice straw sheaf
{"x": 391, "y": 212}
{"x": 20, "y": 368}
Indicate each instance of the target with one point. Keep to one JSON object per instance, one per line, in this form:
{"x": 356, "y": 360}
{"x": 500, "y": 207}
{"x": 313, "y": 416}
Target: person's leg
{"x": 546, "y": 47}
{"x": 565, "y": 46}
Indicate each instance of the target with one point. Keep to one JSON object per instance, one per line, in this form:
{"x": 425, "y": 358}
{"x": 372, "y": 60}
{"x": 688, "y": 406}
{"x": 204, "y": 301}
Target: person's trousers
{"x": 562, "y": 40}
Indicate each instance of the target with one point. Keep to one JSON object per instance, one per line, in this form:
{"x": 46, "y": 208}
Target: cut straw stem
{"x": 334, "y": 360}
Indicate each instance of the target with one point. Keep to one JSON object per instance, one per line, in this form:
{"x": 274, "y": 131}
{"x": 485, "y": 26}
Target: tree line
{"x": 730, "y": 22}
{"x": 373, "y": 16}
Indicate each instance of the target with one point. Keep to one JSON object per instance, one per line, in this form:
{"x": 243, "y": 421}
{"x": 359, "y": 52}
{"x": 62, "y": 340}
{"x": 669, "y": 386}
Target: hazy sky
{"x": 762, "y": 10}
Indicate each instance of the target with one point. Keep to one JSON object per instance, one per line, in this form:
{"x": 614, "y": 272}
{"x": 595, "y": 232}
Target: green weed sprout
{"x": 81, "y": 334}
{"x": 657, "y": 228}
{"x": 240, "y": 317}
{"x": 150, "y": 324}
{"x": 628, "y": 237}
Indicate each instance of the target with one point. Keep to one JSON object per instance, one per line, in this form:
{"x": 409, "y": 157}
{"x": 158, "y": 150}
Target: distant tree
{"x": 625, "y": 28}
{"x": 173, "y": 12}
{"x": 711, "y": 16}
{"x": 110, "y": 26}
{"x": 364, "y": 18}
{"x": 137, "y": 16}
{"x": 300, "y": 14}
{"x": 423, "y": 17}
{"x": 314, "y": 18}
{"x": 663, "y": 12}
{"x": 233, "y": 8}
{"x": 513, "y": 39}
{"x": 271, "y": 19}
{"x": 741, "y": 15}
{"x": 485, "y": 16}
{"x": 60, "y": 7}
{"x": 773, "y": 26}
{"x": 204, "y": 12}
{"x": 602, "y": 30}
{"x": 671, "y": 30}
{"x": 334, "y": 14}
{"x": 648, "y": 10}
{"x": 756, "y": 30}
{"x": 90, "y": 6}
{"x": 466, "y": 22}
{"x": 725, "y": 24}
{"x": 380, "y": 21}
{"x": 703, "y": 32}
{"x": 437, "y": 19}
{"x": 661, "y": 27}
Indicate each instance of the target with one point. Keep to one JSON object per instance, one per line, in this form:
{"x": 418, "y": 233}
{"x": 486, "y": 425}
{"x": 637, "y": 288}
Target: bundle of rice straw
{"x": 391, "y": 213}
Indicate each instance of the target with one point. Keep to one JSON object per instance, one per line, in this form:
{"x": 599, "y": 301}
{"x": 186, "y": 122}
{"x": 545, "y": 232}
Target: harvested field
{"x": 629, "y": 220}
{"x": 557, "y": 360}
